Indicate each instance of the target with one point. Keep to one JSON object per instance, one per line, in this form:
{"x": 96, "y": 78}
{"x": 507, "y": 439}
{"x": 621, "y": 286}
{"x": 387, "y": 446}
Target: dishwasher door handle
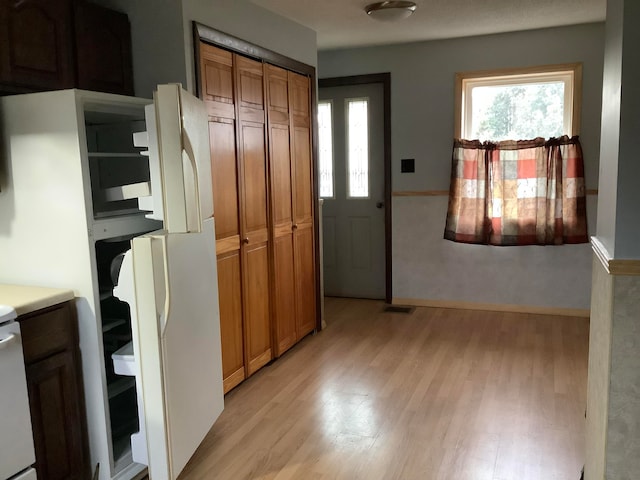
{"x": 5, "y": 342}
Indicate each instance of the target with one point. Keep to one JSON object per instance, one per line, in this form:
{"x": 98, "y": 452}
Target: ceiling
{"x": 343, "y": 23}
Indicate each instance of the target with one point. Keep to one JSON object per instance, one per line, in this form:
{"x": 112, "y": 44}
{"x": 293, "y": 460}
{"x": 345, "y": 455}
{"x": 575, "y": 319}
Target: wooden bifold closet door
{"x": 260, "y": 139}
{"x": 291, "y": 183}
{"x": 254, "y": 222}
{"x": 217, "y": 90}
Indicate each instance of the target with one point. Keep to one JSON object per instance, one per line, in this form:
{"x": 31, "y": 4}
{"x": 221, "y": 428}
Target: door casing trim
{"x": 385, "y": 80}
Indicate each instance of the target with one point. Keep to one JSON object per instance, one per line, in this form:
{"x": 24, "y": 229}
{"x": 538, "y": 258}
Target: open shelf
{"x": 120, "y": 386}
{"x": 118, "y": 154}
{"x": 127, "y": 192}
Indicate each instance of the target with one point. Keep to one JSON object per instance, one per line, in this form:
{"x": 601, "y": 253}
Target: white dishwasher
{"x": 16, "y": 440}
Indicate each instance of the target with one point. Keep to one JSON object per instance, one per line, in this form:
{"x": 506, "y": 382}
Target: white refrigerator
{"x": 169, "y": 280}
{"x": 73, "y": 186}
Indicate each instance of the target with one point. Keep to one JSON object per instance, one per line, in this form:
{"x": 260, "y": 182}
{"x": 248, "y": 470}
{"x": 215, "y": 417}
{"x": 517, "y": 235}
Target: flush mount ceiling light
{"x": 390, "y": 11}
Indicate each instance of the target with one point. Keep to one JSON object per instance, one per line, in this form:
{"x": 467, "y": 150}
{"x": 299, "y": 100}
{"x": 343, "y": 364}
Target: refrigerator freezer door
{"x": 179, "y": 343}
{"x": 183, "y": 147}
{"x": 195, "y": 140}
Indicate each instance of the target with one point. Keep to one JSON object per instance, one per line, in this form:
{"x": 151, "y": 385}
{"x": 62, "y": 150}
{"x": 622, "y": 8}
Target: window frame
{"x": 569, "y": 73}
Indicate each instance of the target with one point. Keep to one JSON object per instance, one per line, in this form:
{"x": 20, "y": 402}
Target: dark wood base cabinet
{"x": 54, "y": 382}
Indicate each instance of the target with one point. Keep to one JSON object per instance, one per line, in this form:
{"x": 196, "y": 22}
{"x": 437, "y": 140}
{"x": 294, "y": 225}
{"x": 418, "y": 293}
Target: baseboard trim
{"x": 493, "y": 307}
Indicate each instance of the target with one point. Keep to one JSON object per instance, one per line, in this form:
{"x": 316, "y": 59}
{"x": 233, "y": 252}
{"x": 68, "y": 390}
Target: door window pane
{"x": 325, "y": 139}
{"x": 358, "y": 148}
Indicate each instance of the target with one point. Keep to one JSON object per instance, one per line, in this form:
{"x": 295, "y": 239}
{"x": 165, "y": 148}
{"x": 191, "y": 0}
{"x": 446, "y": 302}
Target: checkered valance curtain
{"x": 517, "y": 192}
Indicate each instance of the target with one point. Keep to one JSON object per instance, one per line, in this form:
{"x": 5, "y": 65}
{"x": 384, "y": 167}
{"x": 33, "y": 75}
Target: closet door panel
{"x": 257, "y": 319}
{"x": 280, "y": 175}
{"x": 222, "y": 141}
{"x": 305, "y": 281}
{"x": 254, "y": 211}
{"x": 304, "y": 248}
{"x": 254, "y": 179}
{"x": 299, "y": 95}
{"x": 250, "y": 88}
{"x": 230, "y": 299}
{"x": 284, "y": 294}
{"x": 217, "y": 91}
{"x": 216, "y": 81}
{"x": 303, "y": 175}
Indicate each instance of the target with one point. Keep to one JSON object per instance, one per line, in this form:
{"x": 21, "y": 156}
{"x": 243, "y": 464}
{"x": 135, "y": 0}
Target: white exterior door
{"x": 353, "y": 210}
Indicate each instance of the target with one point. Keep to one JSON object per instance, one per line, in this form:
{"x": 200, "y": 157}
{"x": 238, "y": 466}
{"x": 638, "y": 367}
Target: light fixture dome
{"x": 390, "y": 11}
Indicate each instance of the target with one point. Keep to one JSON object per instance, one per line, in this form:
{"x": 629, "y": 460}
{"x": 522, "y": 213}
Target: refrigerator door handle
{"x": 165, "y": 314}
{"x": 191, "y": 186}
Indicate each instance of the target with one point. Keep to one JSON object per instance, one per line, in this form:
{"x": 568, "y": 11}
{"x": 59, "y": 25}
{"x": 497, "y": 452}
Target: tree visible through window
{"x": 518, "y": 105}
{"x": 518, "y": 111}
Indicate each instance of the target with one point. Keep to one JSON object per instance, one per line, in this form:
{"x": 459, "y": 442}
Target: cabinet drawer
{"x": 47, "y": 332}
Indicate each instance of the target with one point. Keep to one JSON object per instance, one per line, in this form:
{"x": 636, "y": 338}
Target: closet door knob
{"x": 245, "y": 240}
{"x": 294, "y": 226}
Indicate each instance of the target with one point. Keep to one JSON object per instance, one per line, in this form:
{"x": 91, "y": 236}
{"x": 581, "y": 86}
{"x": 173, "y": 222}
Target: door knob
{"x": 294, "y": 226}
{"x": 245, "y": 240}
{"x": 379, "y": 204}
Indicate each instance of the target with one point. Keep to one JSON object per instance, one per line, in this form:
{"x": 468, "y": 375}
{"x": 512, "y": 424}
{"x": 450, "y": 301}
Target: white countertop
{"x": 26, "y": 299}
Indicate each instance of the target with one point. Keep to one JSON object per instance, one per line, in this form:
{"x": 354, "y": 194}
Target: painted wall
{"x": 611, "y": 88}
{"x": 627, "y": 243}
{"x": 161, "y": 34}
{"x": 613, "y": 405}
{"x": 422, "y": 109}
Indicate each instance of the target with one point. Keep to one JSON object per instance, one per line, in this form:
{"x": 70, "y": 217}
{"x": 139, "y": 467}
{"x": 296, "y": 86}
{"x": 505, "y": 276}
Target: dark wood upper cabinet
{"x": 36, "y": 45}
{"x": 103, "y": 49}
{"x": 57, "y": 44}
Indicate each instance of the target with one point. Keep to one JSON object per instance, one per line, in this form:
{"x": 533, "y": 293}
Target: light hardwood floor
{"x": 435, "y": 394}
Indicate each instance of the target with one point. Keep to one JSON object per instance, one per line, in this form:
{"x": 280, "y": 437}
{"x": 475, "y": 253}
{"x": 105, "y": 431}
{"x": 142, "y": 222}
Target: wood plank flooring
{"x": 435, "y": 394}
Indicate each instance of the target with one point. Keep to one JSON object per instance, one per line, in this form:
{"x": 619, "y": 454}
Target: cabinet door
{"x": 103, "y": 49}
{"x": 36, "y": 44}
{"x": 216, "y": 89}
{"x": 254, "y": 218}
{"x": 303, "y": 201}
{"x": 56, "y": 417}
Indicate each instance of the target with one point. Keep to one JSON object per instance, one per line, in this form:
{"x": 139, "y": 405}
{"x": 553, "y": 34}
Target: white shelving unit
{"x": 69, "y": 179}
